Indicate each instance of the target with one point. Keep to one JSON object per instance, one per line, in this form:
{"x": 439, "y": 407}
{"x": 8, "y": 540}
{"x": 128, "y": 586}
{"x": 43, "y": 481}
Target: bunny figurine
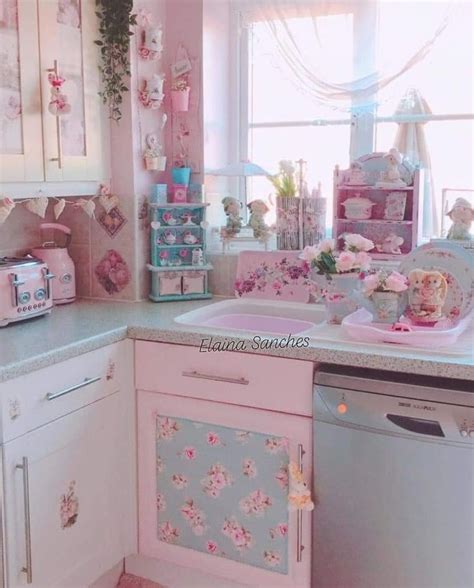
{"x": 434, "y": 291}
{"x": 391, "y": 178}
{"x": 258, "y": 210}
{"x": 299, "y": 495}
{"x": 391, "y": 244}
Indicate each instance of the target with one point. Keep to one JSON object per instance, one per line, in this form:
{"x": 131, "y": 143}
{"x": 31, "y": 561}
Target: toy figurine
{"x": 391, "y": 244}
{"x": 390, "y": 178}
{"x": 462, "y": 216}
{"x": 258, "y": 209}
{"x": 188, "y": 219}
{"x": 58, "y": 102}
{"x": 197, "y": 257}
{"x": 299, "y": 495}
{"x": 234, "y": 221}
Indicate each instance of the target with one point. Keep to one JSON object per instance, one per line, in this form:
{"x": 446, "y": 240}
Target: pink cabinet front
{"x": 213, "y": 489}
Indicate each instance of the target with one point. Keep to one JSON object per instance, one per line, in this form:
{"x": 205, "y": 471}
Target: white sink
{"x": 256, "y": 316}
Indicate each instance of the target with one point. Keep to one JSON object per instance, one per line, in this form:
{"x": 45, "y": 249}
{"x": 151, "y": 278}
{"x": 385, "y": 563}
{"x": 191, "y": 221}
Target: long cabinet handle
{"x": 28, "y": 570}
{"x": 299, "y": 513}
{"x": 59, "y": 158}
{"x": 86, "y": 382}
{"x": 200, "y": 376}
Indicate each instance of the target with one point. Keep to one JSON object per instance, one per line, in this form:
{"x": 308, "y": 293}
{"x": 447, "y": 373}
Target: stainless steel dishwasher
{"x": 394, "y": 475}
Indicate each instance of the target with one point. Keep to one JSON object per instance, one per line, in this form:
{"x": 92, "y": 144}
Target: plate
{"x": 456, "y": 265}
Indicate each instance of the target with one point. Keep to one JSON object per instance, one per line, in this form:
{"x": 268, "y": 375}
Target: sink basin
{"x": 256, "y": 316}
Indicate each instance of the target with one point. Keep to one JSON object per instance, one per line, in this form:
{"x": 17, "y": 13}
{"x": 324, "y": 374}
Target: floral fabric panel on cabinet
{"x": 10, "y": 92}
{"x": 68, "y": 17}
{"x": 223, "y": 491}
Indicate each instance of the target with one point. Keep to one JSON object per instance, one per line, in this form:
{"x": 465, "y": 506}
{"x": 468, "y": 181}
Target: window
{"x": 278, "y": 117}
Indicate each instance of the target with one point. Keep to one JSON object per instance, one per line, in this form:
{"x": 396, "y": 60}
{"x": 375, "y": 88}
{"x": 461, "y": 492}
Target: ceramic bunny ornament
{"x": 391, "y": 244}
{"x": 299, "y": 495}
{"x": 462, "y": 215}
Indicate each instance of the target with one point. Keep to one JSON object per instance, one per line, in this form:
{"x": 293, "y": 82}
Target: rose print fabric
{"x": 223, "y": 491}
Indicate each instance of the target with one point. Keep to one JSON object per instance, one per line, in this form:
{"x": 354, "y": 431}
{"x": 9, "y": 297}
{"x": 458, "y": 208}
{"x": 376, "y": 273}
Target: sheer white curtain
{"x": 309, "y": 63}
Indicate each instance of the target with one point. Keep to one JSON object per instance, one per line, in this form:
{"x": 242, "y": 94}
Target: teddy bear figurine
{"x": 391, "y": 178}
{"x": 258, "y": 210}
{"x": 462, "y": 216}
{"x": 232, "y": 208}
{"x": 415, "y": 286}
{"x": 391, "y": 244}
{"x": 434, "y": 291}
{"x": 299, "y": 495}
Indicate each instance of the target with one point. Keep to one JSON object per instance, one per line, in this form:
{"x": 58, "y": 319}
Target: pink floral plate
{"x": 456, "y": 265}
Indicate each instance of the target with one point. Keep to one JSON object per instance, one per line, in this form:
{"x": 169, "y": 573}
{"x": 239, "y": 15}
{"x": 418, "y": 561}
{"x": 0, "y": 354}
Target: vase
{"x": 388, "y": 307}
{"x": 339, "y": 292}
{"x": 180, "y": 100}
{"x": 287, "y": 223}
{"x": 313, "y": 211}
{"x": 181, "y": 175}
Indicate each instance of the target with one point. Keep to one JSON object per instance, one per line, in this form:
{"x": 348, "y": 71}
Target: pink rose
{"x": 371, "y": 282}
{"x": 355, "y": 242}
{"x": 189, "y": 453}
{"x": 213, "y": 438}
{"x": 363, "y": 260}
{"x": 345, "y": 262}
{"x": 396, "y": 282}
{"x": 309, "y": 253}
{"x": 326, "y": 245}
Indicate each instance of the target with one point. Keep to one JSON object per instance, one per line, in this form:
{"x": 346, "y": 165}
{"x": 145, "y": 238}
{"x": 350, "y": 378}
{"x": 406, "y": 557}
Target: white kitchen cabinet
{"x": 46, "y": 36}
{"x": 69, "y": 484}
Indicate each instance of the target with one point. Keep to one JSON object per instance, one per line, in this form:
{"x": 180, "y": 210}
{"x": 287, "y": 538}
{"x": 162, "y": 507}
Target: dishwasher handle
{"x": 416, "y": 425}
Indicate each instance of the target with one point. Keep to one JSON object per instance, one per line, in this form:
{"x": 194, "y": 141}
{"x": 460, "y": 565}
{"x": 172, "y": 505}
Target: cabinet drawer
{"x": 35, "y": 399}
{"x": 272, "y": 383}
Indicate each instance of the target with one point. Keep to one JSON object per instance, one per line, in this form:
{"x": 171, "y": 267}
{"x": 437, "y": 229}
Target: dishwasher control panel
{"x": 395, "y": 414}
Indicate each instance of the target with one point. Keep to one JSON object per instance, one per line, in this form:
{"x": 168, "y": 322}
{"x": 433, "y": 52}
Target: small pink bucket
{"x": 180, "y": 100}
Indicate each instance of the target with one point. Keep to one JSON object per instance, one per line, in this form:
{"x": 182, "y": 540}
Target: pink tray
{"x": 359, "y": 326}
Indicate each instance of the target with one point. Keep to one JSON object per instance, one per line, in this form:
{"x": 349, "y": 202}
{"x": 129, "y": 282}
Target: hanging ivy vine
{"x": 115, "y": 21}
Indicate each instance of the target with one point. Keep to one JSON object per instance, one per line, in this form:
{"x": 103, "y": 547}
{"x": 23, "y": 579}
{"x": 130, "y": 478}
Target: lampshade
{"x": 241, "y": 169}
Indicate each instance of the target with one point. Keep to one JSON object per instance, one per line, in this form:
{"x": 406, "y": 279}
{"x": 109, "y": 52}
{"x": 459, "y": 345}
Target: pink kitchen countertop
{"x": 86, "y": 325}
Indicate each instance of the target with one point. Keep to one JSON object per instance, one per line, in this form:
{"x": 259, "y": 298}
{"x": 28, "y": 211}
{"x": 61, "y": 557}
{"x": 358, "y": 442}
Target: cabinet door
{"x": 21, "y": 152}
{"x": 72, "y": 142}
{"x": 75, "y": 498}
{"x": 213, "y": 489}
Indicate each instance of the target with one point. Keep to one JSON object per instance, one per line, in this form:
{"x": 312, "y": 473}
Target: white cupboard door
{"x": 74, "y": 499}
{"x": 213, "y": 489}
{"x": 73, "y": 141}
{"x": 21, "y": 151}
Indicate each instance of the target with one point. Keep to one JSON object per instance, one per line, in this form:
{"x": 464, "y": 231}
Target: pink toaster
{"x": 25, "y": 289}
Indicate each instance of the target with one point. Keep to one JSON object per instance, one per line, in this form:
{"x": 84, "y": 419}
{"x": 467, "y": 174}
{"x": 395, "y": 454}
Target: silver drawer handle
{"x": 28, "y": 570}
{"x": 86, "y": 382}
{"x": 199, "y": 376}
{"x": 299, "y": 513}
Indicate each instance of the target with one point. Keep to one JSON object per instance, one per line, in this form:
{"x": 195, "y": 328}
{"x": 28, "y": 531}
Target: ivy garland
{"x": 115, "y": 19}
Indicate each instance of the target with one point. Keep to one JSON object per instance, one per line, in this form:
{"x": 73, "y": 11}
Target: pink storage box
{"x": 179, "y": 194}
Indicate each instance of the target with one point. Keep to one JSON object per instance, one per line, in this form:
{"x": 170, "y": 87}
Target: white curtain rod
{"x": 321, "y": 122}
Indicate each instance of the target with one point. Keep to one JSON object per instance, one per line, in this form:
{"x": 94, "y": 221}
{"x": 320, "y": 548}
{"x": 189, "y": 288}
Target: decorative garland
{"x": 39, "y": 204}
{"x": 115, "y": 20}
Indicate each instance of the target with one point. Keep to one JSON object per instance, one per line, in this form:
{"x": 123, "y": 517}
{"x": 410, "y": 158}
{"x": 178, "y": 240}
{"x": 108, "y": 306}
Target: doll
{"x": 462, "y": 216}
{"x": 232, "y": 210}
{"x": 258, "y": 209}
{"x": 58, "y": 102}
